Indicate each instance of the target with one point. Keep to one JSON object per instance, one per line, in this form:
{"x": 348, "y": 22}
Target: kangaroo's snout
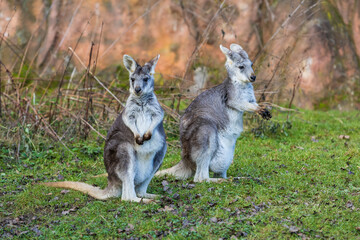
{"x": 138, "y": 89}
{"x": 252, "y": 78}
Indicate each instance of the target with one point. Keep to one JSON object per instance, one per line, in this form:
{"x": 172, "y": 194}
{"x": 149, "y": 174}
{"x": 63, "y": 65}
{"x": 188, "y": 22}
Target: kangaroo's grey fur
{"x": 135, "y": 144}
{"x": 213, "y": 121}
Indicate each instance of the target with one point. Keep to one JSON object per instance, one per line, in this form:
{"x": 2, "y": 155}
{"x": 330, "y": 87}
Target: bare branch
{"x": 97, "y": 78}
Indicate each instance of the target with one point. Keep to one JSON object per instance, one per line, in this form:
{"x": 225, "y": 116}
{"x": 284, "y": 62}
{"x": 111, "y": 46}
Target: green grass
{"x": 300, "y": 184}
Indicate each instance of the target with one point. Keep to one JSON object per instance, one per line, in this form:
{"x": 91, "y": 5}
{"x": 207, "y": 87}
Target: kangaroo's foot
{"x": 149, "y": 195}
{"x": 215, "y": 180}
{"x": 140, "y": 200}
{"x": 250, "y": 178}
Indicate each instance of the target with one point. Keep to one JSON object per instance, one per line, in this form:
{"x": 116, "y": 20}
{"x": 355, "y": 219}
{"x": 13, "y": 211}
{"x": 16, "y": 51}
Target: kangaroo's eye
{"x": 241, "y": 67}
{"x": 132, "y": 79}
{"x": 146, "y": 79}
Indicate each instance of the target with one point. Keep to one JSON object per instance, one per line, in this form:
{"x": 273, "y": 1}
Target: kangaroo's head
{"x": 238, "y": 64}
{"x": 141, "y": 77}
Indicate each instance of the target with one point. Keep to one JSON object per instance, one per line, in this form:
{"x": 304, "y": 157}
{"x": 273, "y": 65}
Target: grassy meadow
{"x": 295, "y": 177}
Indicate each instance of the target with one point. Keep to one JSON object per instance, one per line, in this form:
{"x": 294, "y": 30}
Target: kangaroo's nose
{"x": 252, "y": 78}
{"x": 137, "y": 89}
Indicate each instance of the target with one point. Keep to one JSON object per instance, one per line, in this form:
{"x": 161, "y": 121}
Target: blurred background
{"x": 309, "y": 49}
{"x": 61, "y": 65}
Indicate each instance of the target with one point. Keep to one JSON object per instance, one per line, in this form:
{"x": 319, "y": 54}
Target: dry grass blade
{"x": 49, "y": 129}
{"x": 85, "y": 122}
{"x": 81, "y": 62}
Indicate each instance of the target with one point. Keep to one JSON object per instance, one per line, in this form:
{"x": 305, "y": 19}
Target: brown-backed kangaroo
{"x": 213, "y": 121}
{"x": 135, "y": 144}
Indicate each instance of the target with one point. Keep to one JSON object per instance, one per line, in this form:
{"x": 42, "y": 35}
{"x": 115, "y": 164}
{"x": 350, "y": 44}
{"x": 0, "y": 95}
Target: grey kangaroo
{"x": 213, "y": 121}
{"x": 135, "y": 144}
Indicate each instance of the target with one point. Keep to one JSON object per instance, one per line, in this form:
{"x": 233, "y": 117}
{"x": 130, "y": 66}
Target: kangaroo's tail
{"x": 95, "y": 192}
{"x": 180, "y": 171}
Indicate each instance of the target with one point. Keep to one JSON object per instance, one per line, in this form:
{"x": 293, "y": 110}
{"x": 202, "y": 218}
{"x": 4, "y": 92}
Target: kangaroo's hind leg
{"x": 141, "y": 189}
{"x": 203, "y": 146}
{"x": 125, "y": 166}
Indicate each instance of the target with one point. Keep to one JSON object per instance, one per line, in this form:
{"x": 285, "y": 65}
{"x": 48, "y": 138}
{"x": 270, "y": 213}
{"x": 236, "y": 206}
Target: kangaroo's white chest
{"x": 138, "y": 118}
{"x": 235, "y": 125}
{"x": 143, "y": 121}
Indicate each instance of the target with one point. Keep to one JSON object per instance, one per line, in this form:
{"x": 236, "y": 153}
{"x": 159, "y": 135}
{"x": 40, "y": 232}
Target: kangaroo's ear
{"x": 238, "y": 49}
{"x": 225, "y": 51}
{"x": 129, "y": 63}
{"x": 153, "y": 63}
{"x": 235, "y": 47}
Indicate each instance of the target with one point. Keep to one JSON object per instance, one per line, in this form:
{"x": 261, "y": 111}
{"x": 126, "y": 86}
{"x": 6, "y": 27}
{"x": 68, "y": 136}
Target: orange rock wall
{"x": 317, "y": 48}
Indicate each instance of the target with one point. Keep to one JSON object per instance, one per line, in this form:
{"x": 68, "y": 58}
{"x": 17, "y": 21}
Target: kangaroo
{"x": 135, "y": 145}
{"x": 213, "y": 121}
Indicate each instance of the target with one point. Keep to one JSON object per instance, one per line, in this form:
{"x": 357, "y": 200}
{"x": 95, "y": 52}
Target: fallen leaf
{"x": 22, "y": 233}
{"x": 293, "y": 229}
{"x": 349, "y": 204}
{"x": 165, "y": 183}
{"x": 64, "y": 191}
{"x": 129, "y": 228}
{"x": 347, "y": 137}
{"x": 313, "y": 138}
{"x": 60, "y": 177}
{"x": 176, "y": 196}
{"x": 36, "y": 230}
{"x": 212, "y": 204}
{"x": 233, "y": 201}
{"x": 65, "y": 212}
{"x": 185, "y": 223}
{"x": 167, "y": 208}
{"x": 214, "y": 220}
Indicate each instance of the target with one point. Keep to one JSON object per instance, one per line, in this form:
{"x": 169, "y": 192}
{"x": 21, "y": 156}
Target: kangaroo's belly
{"x": 143, "y": 123}
{"x": 226, "y": 143}
{"x": 224, "y": 155}
{"x": 145, "y": 155}
{"x": 144, "y": 167}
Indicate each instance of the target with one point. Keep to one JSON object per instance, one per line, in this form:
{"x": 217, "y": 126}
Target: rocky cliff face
{"x": 305, "y": 51}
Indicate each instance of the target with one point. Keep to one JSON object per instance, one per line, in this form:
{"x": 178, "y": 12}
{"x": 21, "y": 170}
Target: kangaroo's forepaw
{"x": 147, "y": 136}
{"x": 139, "y": 140}
{"x": 265, "y": 113}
